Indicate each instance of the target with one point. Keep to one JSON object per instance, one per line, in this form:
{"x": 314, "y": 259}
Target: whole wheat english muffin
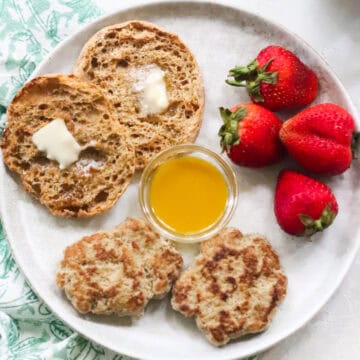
{"x": 112, "y": 57}
{"x": 106, "y": 162}
{"x": 118, "y": 271}
{"x": 233, "y": 288}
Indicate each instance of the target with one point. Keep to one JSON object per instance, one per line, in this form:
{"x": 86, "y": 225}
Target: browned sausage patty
{"x": 233, "y": 288}
{"x": 118, "y": 271}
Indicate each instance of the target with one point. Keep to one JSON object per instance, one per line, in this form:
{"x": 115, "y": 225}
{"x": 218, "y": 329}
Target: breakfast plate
{"x": 220, "y": 35}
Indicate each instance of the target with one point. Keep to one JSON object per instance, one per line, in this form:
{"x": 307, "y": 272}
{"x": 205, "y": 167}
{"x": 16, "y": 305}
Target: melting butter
{"x": 151, "y": 87}
{"x": 57, "y": 142}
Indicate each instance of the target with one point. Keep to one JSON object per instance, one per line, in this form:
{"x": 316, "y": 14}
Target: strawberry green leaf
{"x": 242, "y": 74}
{"x": 229, "y": 131}
{"x": 313, "y": 226}
{"x": 251, "y": 77}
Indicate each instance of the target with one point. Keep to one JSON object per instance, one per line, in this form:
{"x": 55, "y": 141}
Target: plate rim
{"x": 230, "y": 4}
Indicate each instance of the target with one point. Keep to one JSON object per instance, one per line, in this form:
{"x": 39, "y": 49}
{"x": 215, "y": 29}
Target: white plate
{"x": 220, "y": 37}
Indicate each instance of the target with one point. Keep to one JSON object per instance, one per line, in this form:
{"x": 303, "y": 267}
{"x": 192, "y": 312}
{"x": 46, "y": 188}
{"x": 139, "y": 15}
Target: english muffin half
{"x": 233, "y": 288}
{"x": 119, "y": 57}
{"x": 118, "y": 271}
{"x": 106, "y": 161}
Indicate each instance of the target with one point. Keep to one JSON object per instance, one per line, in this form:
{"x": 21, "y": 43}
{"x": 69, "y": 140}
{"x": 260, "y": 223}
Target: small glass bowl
{"x": 179, "y": 151}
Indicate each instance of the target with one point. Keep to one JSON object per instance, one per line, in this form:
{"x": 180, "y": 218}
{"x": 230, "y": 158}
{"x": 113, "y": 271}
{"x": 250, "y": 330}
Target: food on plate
{"x": 118, "y": 271}
{"x": 153, "y": 81}
{"x": 303, "y": 206}
{"x": 233, "y": 288}
{"x": 276, "y": 79}
{"x": 188, "y": 194}
{"x": 320, "y": 138}
{"x": 61, "y": 138}
{"x": 250, "y": 135}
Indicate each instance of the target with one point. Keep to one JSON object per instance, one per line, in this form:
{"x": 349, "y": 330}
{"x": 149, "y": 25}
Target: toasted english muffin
{"x": 118, "y": 271}
{"x": 106, "y": 162}
{"x": 233, "y": 288}
{"x": 109, "y": 59}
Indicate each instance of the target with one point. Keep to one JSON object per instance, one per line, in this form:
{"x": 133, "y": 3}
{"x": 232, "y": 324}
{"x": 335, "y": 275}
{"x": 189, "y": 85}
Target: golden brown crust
{"x": 233, "y": 288}
{"x": 106, "y": 164}
{"x": 107, "y": 60}
{"x": 118, "y": 271}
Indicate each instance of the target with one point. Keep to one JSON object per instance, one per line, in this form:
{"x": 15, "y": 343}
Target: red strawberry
{"x": 250, "y": 135}
{"x": 320, "y": 138}
{"x": 303, "y": 206}
{"x": 277, "y": 79}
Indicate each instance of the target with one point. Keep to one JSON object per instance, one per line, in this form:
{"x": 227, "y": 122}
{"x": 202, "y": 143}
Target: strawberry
{"x": 303, "y": 206}
{"x": 250, "y": 135}
{"x": 277, "y": 79}
{"x": 320, "y": 138}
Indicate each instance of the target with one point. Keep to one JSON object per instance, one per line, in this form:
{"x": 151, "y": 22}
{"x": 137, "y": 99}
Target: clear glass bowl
{"x": 194, "y": 151}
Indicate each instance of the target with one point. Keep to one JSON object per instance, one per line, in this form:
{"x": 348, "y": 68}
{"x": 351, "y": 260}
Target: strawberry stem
{"x": 313, "y": 226}
{"x": 355, "y": 145}
{"x": 251, "y": 76}
{"x": 229, "y": 131}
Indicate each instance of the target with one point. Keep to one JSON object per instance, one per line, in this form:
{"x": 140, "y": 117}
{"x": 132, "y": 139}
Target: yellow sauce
{"x": 188, "y": 194}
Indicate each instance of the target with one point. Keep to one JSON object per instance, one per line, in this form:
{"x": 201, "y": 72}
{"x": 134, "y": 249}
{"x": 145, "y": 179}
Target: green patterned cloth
{"x": 29, "y": 29}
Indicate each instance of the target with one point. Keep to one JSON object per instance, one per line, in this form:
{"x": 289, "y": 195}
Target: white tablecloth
{"x": 332, "y": 27}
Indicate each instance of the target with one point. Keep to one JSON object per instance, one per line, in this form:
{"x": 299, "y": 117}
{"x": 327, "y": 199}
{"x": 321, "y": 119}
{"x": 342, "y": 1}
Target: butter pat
{"x": 58, "y": 143}
{"x": 151, "y": 86}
